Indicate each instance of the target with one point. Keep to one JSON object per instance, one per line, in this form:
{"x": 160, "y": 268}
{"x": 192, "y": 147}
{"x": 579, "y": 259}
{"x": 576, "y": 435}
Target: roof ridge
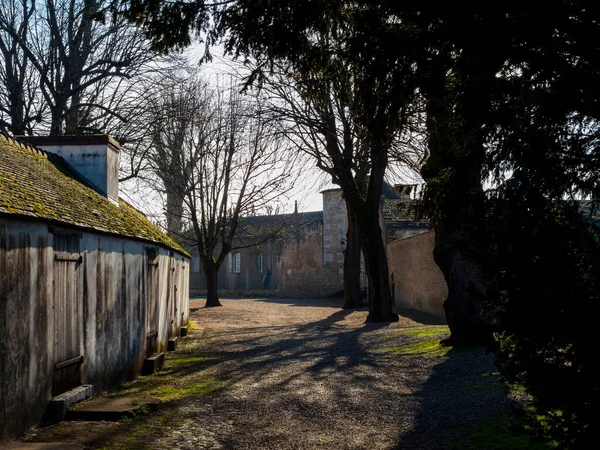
{"x": 42, "y": 185}
{"x": 26, "y": 146}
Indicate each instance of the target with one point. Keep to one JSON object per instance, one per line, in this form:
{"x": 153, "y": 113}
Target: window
{"x": 195, "y": 264}
{"x": 235, "y": 262}
{"x": 259, "y": 262}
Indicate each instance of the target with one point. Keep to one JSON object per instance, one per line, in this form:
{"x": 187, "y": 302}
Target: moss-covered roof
{"x": 281, "y": 224}
{"x": 35, "y": 183}
{"x": 397, "y": 213}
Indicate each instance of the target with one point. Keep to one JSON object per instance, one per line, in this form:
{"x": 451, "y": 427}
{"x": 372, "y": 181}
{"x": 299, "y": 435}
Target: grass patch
{"x": 188, "y": 372}
{"x": 504, "y": 432}
{"x": 424, "y": 341}
{"x": 486, "y": 382}
{"x": 182, "y": 376}
{"x": 431, "y": 331}
{"x": 431, "y": 348}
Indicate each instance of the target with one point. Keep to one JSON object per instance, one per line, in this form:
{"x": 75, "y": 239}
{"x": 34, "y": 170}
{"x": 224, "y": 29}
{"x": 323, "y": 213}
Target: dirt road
{"x": 305, "y": 374}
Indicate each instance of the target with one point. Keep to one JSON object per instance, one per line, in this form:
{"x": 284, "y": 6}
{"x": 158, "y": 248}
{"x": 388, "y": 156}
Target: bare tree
{"x": 79, "y": 51}
{"x": 320, "y": 116}
{"x": 20, "y": 108}
{"x": 179, "y": 114}
{"x": 224, "y": 161}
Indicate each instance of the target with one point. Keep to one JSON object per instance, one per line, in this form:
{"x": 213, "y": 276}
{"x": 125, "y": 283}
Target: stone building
{"x": 305, "y": 257}
{"x": 290, "y": 249}
{"x": 89, "y": 287}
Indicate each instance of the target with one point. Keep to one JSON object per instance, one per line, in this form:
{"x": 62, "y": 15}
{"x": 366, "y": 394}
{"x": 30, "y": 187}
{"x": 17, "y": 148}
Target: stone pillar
{"x": 334, "y": 230}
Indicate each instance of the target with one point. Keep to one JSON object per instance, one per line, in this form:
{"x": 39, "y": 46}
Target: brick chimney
{"x": 94, "y": 157}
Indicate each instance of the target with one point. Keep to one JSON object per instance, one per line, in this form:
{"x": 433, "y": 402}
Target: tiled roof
{"x": 396, "y": 213}
{"x": 256, "y": 228}
{"x": 35, "y": 183}
{"x": 281, "y": 223}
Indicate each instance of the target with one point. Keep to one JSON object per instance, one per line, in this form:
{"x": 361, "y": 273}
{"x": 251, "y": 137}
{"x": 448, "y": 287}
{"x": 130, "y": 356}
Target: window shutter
{"x": 230, "y": 256}
{"x": 259, "y": 262}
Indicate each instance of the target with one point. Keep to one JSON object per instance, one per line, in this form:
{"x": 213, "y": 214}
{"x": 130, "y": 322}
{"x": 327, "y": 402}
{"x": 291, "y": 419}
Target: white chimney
{"x": 94, "y": 157}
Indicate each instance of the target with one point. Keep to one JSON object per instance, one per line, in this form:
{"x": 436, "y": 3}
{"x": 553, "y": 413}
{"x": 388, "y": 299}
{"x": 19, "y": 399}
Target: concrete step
{"x": 57, "y": 407}
{"x": 172, "y": 344}
{"x": 153, "y": 363}
{"x": 112, "y": 409}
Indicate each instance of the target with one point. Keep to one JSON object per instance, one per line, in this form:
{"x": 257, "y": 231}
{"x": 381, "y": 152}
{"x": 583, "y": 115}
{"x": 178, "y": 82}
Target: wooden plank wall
{"x": 76, "y": 310}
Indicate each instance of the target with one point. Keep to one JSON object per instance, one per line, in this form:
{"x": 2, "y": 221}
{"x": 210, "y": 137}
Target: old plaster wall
{"x": 301, "y": 267}
{"x": 55, "y": 306}
{"x": 312, "y": 262}
{"x": 249, "y": 278}
{"x": 335, "y": 226}
{"x": 418, "y": 282}
{"x": 307, "y": 262}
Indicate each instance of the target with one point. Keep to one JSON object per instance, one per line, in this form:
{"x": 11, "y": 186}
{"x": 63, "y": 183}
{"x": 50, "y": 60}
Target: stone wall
{"x": 250, "y": 278}
{"x": 335, "y": 225}
{"x": 301, "y": 267}
{"x": 418, "y": 282}
{"x": 306, "y": 263}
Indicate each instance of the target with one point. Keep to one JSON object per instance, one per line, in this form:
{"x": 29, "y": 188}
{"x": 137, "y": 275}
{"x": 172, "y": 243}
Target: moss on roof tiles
{"x": 280, "y": 224}
{"x": 397, "y": 213}
{"x": 35, "y": 183}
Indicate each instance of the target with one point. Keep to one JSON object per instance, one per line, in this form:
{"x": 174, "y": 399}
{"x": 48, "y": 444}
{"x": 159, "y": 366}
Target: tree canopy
{"x": 510, "y": 93}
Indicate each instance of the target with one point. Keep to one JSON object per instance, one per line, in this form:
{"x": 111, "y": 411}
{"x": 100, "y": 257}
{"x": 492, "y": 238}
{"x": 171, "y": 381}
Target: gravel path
{"x": 306, "y": 374}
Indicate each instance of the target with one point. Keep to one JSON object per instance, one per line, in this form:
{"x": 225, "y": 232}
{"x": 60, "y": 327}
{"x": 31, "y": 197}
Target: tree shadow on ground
{"x": 330, "y": 383}
{"x": 421, "y": 317}
{"x": 330, "y": 302}
{"x": 304, "y": 372}
{"x": 464, "y": 404}
{"x": 462, "y": 392}
{"x": 422, "y": 396}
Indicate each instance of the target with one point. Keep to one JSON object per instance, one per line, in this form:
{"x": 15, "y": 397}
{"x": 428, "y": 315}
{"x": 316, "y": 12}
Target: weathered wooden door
{"x": 67, "y": 313}
{"x": 152, "y": 309}
{"x": 174, "y": 305}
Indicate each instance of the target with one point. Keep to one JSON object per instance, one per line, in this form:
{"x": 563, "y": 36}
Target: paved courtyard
{"x": 304, "y": 374}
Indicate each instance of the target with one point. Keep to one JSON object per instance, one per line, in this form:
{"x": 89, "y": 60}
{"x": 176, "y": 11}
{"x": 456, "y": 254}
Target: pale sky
{"x": 307, "y": 189}
{"x": 306, "y": 192}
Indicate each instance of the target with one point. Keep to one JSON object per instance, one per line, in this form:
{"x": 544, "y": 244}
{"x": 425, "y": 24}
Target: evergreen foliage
{"x": 512, "y": 94}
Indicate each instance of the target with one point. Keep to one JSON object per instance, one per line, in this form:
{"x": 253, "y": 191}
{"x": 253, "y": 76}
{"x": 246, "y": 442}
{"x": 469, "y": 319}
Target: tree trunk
{"x": 466, "y": 292}
{"x": 212, "y": 294}
{"x": 72, "y": 115}
{"x": 56, "y": 128}
{"x": 380, "y": 298}
{"x": 174, "y": 212}
{"x": 459, "y": 252}
{"x": 366, "y": 214}
{"x": 455, "y": 197}
{"x": 365, "y": 209}
{"x": 17, "y": 105}
{"x": 352, "y": 263}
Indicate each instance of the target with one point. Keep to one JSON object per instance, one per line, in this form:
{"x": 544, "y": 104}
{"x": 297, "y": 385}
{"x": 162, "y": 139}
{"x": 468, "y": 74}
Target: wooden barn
{"x": 89, "y": 287}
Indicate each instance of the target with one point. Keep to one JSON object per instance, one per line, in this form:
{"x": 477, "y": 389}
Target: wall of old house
{"x": 395, "y": 233}
{"x": 311, "y": 263}
{"x": 66, "y": 293}
{"x": 301, "y": 267}
{"x": 307, "y": 262}
{"x": 418, "y": 282}
{"x": 249, "y": 278}
{"x": 335, "y": 226}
